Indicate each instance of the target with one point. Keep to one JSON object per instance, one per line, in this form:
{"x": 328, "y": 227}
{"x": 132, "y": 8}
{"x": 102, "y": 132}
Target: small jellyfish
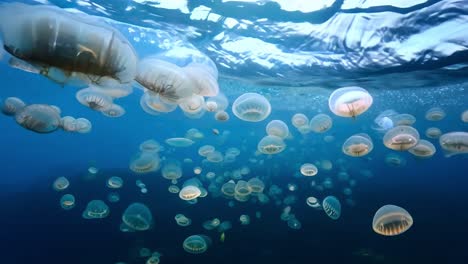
{"x": 321, "y": 123}
{"x": 221, "y": 116}
{"x": 242, "y": 188}
{"x": 189, "y": 192}
{"x": 271, "y": 145}
{"x": 67, "y": 201}
{"x": 401, "y": 138}
{"x": 96, "y": 209}
{"x": 94, "y": 99}
{"x": 150, "y": 145}
{"x": 196, "y": 244}
{"x": 173, "y": 189}
{"x": 433, "y": 132}
{"x": 211, "y": 106}
{"x": 145, "y": 252}
{"x": 113, "y": 197}
{"x": 454, "y": 143}
{"x": 152, "y": 104}
{"x": 12, "y": 105}
{"x": 384, "y": 120}
{"x": 251, "y": 107}
{"x": 277, "y": 128}
{"x": 83, "y": 125}
{"x": 137, "y": 217}
{"x": 293, "y": 223}
{"x": 256, "y": 185}
{"x": 39, "y": 118}
{"x": 244, "y": 219}
{"x": 179, "y": 142}
{"x": 326, "y": 165}
{"x": 144, "y": 162}
{"x": 215, "y": 157}
{"x": 403, "y": 120}
{"x": 332, "y": 207}
{"x": 233, "y": 151}
{"x": 358, "y": 145}
{"x": 299, "y": 120}
{"x": 115, "y": 182}
{"x": 313, "y": 202}
{"x": 60, "y": 184}
{"x": 211, "y": 224}
{"x": 197, "y": 170}
{"x": 424, "y": 149}
{"x": 349, "y": 101}
{"x": 391, "y": 220}
{"x": 114, "y": 111}
{"x": 435, "y": 114}
{"x": 309, "y": 169}
{"x": 224, "y": 226}
{"x": 464, "y": 116}
{"x": 182, "y": 220}
{"x": 395, "y": 160}
{"x": 171, "y": 170}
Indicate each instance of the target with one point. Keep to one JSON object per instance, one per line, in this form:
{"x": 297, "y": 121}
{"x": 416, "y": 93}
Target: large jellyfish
{"x": 137, "y": 217}
{"x": 349, "y": 101}
{"x": 391, "y": 220}
{"x": 401, "y": 138}
{"x": 251, "y": 107}
{"x": 39, "y": 118}
{"x": 454, "y": 143}
{"x": 66, "y": 46}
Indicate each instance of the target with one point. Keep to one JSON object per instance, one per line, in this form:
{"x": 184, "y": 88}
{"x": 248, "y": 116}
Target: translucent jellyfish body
{"x": 321, "y": 123}
{"x": 271, "y": 145}
{"x": 222, "y": 116}
{"x": 332, "y": 207}
{"x": 358, "y": 145}
{"x": 189, "y": 192}
{"x": 401, "y": 138}
{"x": 424, "y": 149}
{"x": 384, "y": 120}
{"x": 433, "y": 132}
{"x": 166, "y": 79}
{"x": 251, "y": 107}
{"x": 12, "y": 105}
{"x": 349, "y": 101}
{"x": 137, "y": 217}
{"x": 114, "y": 111}
{"x": 115, "y": 182}
{"x": 196, "y": 244}
{"x": 204, "y": 83}
{"x": 312, "y": 202}
{"x": 144, "y": 162}
{"x": 464, "y": 116}
{"x": 309, "y": 169}
{"x": 182, "y": 220}
{"x": 193, "y": 106}
{"x": 60, "y": 184}
{"x": 391, "y": 220}
{"x": 228, "y": 188}
{"x": 96, "y": 209}
{"x": 205, "y": 150}
{"x": 395, "y": 160}
{"x": 403, "y": 120}
{"x": 179, "y": 142}
{"x": 244, "y": 219}
{"x": 299, "y": 120}
{"x": 67, "y": 201}
{"x": 94, "y": 99}
{"x": 152, "y": 104}
{"x": 65, "y": 46}
{"x": 211, "y": 224}
{"x": 277, "y": 128}
{"x": 150, "y": 145}
{"x": 172, "y": 170}
{"x": 435, "y": 114}
{"x": 39, "y": 118}
{"x": 454, "y": 143}
{"x": 256, "y": 185}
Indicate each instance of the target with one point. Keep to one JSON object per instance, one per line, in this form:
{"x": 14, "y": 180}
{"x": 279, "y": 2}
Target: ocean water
{"x": 409, "y": 55}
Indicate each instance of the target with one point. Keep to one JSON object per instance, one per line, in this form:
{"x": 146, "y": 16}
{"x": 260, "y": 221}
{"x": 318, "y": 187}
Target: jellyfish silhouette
{"x": 277, "y": 128}
{"x": 435, "y": 114}
{"x": 391, "y": 220}
{"x": 424, "y": 149}
{"x": 12, "y": 105}
{"x": 137, "y": 217}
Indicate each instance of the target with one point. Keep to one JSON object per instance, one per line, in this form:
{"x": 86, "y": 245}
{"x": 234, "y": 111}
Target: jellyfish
{"x": 326, "y": 165}
{"x": 94, "y": 99}
{"x": 271, "y": 145}
{"x": 196, "y": 244}
{"x": 203, "y": 82}
{"x": 277, "y": 128}
{"x": 150, "y": 146}
{"x": 60, "y": 184}
{"x": 145, "y": 252}
{"x": 115, "y": 182}
{"x": 197, "y": 170}
{"x": 242, "y": 188}
{"x": 233, "y": 151}
{"x": 189, "y": 192}
{"x": 454, "y": 143}
{"x": 395, "y": 160}
{"x": 293, "y": 223}
{"x": 433, "y": 132}
{"x": 424, "y": 149}
{"x": 435, "y": 114}
{"x": 224, "y": 226}
{"x": 39, "y": 118}
{"x": 166, "y": 79}
{"x": 313, "y": 202}
{"x": 401, "y": 138}
{"x": 403, "y": 120}
{"x": 179, "y": 142}
{"x": 137, "y": 217}
{"x": 173, "y": 189}
{"x": 349, "y": 101}
{"x": 113, "y": 197}
{"x": 256, "y": 185}
{"x": 172, "y": 170}
{"x": 152, "y": 104}
{"x": 65, "y": 46}
{"x": 96, "y": 209}
{"x": 321, "y": 123}
{"x": 228, "y": 188}
{"x": 211, "y": 106}
{"x": 115, "y": 110}
{"x": 144, "y": 162}
{"x": 332, "y": 207}
{"x": 244, "y": 219}
{"x": 299, "y": 120}
{"x": 67, "y": 201}
{"x": 12, "y": 105}
{"x": 251, "y": 107}
{"x": 306, "y": 129}
{"x": 193, "y": 106}
{"x": 384, "y": 120}
{"x": 182, "y": 220}
{"x": 205, "y": 150}
{"x": 83, "y": 125}
{"x": 222, "y": 116}
{"x": 464, "y": 116}
{"x": 358, "y": 145}
{"x": 309, "y": 169}
{"x": 153, "y": 260}
{"x": 215, "y": 157}
{"x": 211, "y": 224}
{"x": 391, "y": 220}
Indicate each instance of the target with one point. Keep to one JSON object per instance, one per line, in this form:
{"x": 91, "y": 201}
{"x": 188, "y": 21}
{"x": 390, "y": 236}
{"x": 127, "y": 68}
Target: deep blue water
{"x": 35, "y": 229}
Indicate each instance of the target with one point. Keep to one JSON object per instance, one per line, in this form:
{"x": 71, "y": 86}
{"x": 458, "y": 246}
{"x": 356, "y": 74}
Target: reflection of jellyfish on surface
{"x": 391, "y": 220}
{"x": 96, "y": 209}
{"x": 251, "y": 107}
{"x": 137, "y": 217}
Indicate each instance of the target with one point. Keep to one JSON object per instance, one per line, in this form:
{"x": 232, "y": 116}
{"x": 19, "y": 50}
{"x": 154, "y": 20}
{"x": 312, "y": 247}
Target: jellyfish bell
{"x": 182, "y": 220}
{"x": 83, "y": 125}
{"x": 137, "y": 217}
{"x": 65, "y": 46}
{"x": 171, "y": 170}
{"x": 332, "y": 207}
{"x": 433, "y": 132}
{"x": 221, "y": 116}
{"x": 349, "y": 101}
{"x": 164, "y": 78}
{"x": 12, "y": 105}
{"x": 96, "y": 209}
{"x": 435, "y": 114}
{"x": 60, "y": 184}
{"x": 358, "y": 145}
{"x": 454, "y": 143}
{"x": 298, "y": 120}
{"x": 179, "y": 142}
{"x": 94, "y": 99}
{"x": 211, "y": 106}
{"x": 271, "y": 145}
{"x": 384, "y": 121}
{"x": 150, "y": 145}
{"x": 152, "y": 104}
{"x": 196, "y": 244}
{"x": 67, "y": 201}
{"x": 464, "y": 116}
{"x": 114, "y": 110}
{"x": 309, "y": 169}
{"x": 321, "y": 123}
{"x": 144, "y": 163}
{"x": 403, "y": 120}
{"x": 395, "y": 160}
{"x": 204, "y": 83}
{"x": 251, "y": 107}
{"x": 401, "y": 138}
{"x": 115, "y": 182}
{"x": 391, "y": 220}
{"x": 424, "y": 149}
{"x": 39, "y": 118}
{"x": 193, "y": 105}
{"x": 277, "y": 128}
{"x": 312, "y": 202}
